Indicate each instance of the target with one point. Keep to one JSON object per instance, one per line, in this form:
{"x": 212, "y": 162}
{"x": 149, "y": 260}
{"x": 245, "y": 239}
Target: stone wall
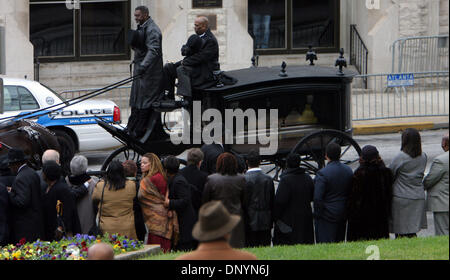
{"x": 443, "y": 16}
{"x": 64, "y": 76}
{"x": 176, "y": 21}
{"x": 413, "y": 17}
{"x": 18, "y": 49}
{"x": 379, "y": 29}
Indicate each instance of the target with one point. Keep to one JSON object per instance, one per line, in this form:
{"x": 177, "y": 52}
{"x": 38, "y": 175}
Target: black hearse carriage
{"x": 314, "y": 109}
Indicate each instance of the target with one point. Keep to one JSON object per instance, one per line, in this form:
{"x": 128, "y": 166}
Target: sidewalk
{"x": 397, "y": 125}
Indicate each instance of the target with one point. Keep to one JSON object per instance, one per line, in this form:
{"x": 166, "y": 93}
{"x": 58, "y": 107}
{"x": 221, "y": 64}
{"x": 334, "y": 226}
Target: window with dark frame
{"x": 291, "y": 26}
{"x": 95, "y": 31}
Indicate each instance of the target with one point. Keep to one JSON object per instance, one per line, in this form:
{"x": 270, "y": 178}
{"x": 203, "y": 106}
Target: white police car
{"x": 74, "y": 124}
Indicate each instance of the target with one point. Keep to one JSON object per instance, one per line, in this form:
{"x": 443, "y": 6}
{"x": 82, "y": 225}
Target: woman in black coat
{"x": 292, "y": 210}
{"x": 58, "y": 190}
{"x": 229, "y": 187}
{"x": 369, "y": 203}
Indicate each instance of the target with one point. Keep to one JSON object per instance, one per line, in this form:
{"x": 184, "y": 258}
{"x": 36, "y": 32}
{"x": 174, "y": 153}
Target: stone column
{"x": 443, "y": 17}
{"x": 14, "y": 17}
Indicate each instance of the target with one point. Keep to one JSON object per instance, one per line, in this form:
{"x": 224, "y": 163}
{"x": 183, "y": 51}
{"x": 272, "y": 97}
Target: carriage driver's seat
{"x": 168, "y": 105}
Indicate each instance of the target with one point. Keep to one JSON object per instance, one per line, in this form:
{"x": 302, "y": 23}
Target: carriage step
{"x": 169, "y": 105}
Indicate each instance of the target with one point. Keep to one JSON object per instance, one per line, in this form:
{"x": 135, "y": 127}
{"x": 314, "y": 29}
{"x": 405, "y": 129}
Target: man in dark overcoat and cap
{"x": 25, "y": 200}
{"x": 146, "y": 42}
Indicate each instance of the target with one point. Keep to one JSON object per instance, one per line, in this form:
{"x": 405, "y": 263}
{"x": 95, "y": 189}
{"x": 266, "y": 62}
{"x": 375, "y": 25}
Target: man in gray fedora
{"x": 213, "y": 232}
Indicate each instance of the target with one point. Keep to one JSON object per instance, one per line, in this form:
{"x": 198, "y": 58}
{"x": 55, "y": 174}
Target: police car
{"x": 75, "y": 124}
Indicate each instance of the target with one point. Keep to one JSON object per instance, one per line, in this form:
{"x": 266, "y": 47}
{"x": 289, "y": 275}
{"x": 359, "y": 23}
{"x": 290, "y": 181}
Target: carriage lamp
{"x": 311, "y": 56}
{"x": 283, "y": 70}
{"x": 341, "y": 62}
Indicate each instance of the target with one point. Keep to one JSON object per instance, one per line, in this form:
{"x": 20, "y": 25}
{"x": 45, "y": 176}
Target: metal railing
{"x": 359, "y": 54}
{"x": 426, "y": 96}
{"x": 420, "y": 54}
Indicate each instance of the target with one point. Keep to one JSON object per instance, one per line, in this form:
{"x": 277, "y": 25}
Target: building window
{"x": 95, "y": 31}
{"x": 291, "y": 26}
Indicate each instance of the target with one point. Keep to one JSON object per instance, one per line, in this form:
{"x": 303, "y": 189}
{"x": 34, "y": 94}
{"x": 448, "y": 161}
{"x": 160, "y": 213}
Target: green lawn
{"x": 424, "y": 248}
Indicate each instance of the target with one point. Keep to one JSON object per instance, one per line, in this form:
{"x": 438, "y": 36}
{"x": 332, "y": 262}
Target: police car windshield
{"x": 55, "y": 93}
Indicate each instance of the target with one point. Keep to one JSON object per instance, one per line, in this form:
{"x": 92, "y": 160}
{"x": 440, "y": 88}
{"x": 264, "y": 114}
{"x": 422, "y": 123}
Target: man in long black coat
{"x": 211, "y": 152}
{"x": 196, "y": 70}
{"x": 258, "y": 204}
{"x": 195, "y": 177}
{"x": 4, "y": 205}
{"x": 180, "y": 201}
{"x": 146, "y": 89}
{"x": 332, "y": 186}
{"x": 25, "y": 200}
{"x": 292, "y": 210}
{"x": 6, "y": 179}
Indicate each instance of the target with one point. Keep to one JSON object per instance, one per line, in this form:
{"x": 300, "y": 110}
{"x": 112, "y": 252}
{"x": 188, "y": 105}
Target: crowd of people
{"x": 177, "y": 209}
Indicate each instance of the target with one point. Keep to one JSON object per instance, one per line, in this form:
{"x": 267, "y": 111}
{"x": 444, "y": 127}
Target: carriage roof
{"x": 269, "y": 76}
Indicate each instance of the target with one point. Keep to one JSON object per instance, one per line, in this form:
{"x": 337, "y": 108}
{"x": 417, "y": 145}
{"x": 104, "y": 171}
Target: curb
{"x": 147, "y": 251}
{"x": 395, "y": 127}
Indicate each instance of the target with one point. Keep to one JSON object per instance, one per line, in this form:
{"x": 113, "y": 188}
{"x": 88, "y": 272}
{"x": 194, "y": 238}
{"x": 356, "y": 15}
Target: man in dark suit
{"x": 196, "y": 70}
{"x": 211, "y": 152}
{"x": 180, "y": 200}
{"x": 6, "y": 179}
{"x": 4, "y": 205}
{"x": 195, "y": 177}
{"x": 25, "y": 200}
{"x": 332, "y": 186}
{"x": 258, "y": 204}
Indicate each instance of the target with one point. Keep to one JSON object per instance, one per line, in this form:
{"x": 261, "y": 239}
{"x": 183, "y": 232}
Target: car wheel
{"x": 67, "y": 147}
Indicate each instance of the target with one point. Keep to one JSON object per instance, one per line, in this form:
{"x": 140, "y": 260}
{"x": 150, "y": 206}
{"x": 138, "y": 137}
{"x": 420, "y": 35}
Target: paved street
{"x": 387, "y": 144}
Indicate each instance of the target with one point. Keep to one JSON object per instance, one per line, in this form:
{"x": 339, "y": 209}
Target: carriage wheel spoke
{"x": 271, "y": 170}
{"x": 309, "y": 165}
{"x": 348, "y": 148}
{"x": 349, "y": 161}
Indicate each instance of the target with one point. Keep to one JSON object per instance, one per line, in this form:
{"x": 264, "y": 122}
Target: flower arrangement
{"x": 72, "y": 248}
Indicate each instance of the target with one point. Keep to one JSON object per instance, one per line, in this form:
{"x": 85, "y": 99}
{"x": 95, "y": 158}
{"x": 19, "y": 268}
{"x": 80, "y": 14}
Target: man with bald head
{"x": 195, "y": 70}
{"x": 436, "y": 185}
{"x": 50, "y": 155}
{"x": 100, "y": 251}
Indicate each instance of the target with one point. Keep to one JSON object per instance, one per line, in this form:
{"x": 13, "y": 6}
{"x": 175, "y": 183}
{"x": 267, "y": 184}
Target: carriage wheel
{"x": 122, "y": 154}
{"x": 312, "y": 149}
{"x": 126, "y": 153}
{"x": 276, "y": 166}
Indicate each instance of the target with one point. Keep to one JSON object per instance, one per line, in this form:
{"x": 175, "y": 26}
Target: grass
{"x": 422, "y": 248}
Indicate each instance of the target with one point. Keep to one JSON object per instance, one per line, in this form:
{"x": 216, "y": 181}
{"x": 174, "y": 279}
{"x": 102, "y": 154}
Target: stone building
{"x": 82, "y": 44}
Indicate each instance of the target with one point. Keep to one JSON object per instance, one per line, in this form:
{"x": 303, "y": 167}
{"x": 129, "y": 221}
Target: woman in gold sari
{"x": 161, "y": 224}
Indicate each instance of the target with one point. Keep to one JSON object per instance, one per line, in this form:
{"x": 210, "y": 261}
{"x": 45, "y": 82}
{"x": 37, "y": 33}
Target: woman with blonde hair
{"x": 161, "y": 224}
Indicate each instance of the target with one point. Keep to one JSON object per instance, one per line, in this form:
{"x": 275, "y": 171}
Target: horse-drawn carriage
{"x": 299, "y": 109}
{"x": 311, "y": 103}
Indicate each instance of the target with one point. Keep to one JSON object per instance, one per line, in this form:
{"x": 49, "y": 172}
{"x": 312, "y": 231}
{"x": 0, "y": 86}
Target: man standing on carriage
{"x": 146, "y": 42}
